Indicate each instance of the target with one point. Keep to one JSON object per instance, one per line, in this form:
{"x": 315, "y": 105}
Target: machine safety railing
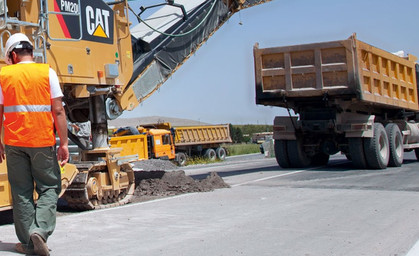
{"x": 77, "y": 14}
{"x": 6, "y": 21}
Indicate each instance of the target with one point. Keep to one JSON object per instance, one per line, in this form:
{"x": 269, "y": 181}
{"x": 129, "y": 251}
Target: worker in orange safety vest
{"x": 31, "y": 106}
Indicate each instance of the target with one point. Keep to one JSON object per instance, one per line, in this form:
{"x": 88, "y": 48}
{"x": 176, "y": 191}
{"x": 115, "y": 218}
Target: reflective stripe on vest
{"x": 27, "y": 108}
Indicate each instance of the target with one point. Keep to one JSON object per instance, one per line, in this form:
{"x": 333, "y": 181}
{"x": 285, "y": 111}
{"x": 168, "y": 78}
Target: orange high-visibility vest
{"x": 28, "y": 120}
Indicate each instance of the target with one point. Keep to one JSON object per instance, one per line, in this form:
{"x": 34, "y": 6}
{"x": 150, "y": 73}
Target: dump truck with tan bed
{"x": 105, "y": 67}
{"x": 349, "y": 96}
{"x": 177, "y": 143}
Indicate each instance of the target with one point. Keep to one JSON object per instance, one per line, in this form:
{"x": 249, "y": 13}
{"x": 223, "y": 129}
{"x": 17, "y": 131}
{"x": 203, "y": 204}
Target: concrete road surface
{"x": 331, "y": 210}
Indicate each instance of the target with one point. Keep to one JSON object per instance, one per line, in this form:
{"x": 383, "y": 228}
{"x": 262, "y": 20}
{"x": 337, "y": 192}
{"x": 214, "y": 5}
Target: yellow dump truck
{"x": 349, "y": 96}
{"x": 164, "y": 141}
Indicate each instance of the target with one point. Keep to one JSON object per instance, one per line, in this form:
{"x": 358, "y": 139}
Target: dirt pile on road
{"x": 161, "y": 183}
{"x": 160, "y": 178}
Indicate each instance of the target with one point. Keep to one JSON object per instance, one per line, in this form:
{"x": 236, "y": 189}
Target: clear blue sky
{"x": 216, "y": 85}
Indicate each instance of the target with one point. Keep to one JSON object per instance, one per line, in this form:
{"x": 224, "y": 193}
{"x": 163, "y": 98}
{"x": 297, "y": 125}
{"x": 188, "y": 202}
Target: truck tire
{"x": 298, "y": 158}
{"x": 221, "y": 153}
{"x": 281, "y": 153}
{"x": 210, "y": 154}
{"x": 417, "y": 153}
{"x": 356, "y": 152}
{"x": 395, "y": 140}
{"x": 377, "y": 150}
{"x": 181, "y": 159}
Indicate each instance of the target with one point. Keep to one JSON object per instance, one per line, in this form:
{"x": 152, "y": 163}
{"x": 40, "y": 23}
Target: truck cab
{"x": 161, "y": 144}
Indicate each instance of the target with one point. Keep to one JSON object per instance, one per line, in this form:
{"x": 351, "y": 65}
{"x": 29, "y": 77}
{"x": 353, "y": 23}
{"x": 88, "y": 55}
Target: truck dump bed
{"x": 131, "y": 145}
{"x": 196, "y": 135}
{"x": 350, "y": 69}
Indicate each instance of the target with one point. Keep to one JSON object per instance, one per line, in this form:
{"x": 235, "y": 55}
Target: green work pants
{"x": 30, "y": 168}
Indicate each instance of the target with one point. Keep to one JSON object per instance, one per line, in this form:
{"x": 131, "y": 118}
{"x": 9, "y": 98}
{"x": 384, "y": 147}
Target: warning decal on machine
{"x": 96, "y": 20}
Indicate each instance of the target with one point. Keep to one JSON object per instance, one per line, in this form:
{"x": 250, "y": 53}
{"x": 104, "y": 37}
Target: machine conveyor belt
{"x": 158, "y": 56}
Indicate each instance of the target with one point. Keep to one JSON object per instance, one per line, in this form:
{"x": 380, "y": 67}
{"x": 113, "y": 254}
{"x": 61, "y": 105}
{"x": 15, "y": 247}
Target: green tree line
{"x": 243, "y": 133}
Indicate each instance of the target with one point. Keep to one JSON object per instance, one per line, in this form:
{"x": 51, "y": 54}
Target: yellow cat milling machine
{"x": 105, "y": 67}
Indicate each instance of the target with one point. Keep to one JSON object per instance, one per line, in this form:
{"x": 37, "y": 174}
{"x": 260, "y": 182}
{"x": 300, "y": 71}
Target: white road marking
{"x": 267, "y": 178}
{"x": 284, "y": 174}
{"x": 414, "y": 251}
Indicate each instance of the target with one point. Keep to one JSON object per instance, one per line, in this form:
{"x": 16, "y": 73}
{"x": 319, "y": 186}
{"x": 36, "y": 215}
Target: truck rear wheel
{"x": 356, "y": 152}
{"x": 395, "y": 140}
{"x": 377, "y": 150}
{"x": 281, "y": 153}
{"x": 181, "y": 159}
{"x": 210, "y": 154}
{"x": 221, "y": 153}
{"x": 298, "y": 158}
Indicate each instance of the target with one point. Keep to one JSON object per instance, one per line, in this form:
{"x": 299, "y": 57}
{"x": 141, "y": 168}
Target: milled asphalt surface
{"x": 267, "y": 212}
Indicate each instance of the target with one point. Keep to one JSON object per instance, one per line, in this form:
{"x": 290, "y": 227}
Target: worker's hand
{"x": 63, "y": 155}
{"x": 2, "y": 155}
{"x": 76, "y": 128}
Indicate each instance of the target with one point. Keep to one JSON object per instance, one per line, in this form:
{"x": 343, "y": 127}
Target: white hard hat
{"x": 11, "y": 44}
